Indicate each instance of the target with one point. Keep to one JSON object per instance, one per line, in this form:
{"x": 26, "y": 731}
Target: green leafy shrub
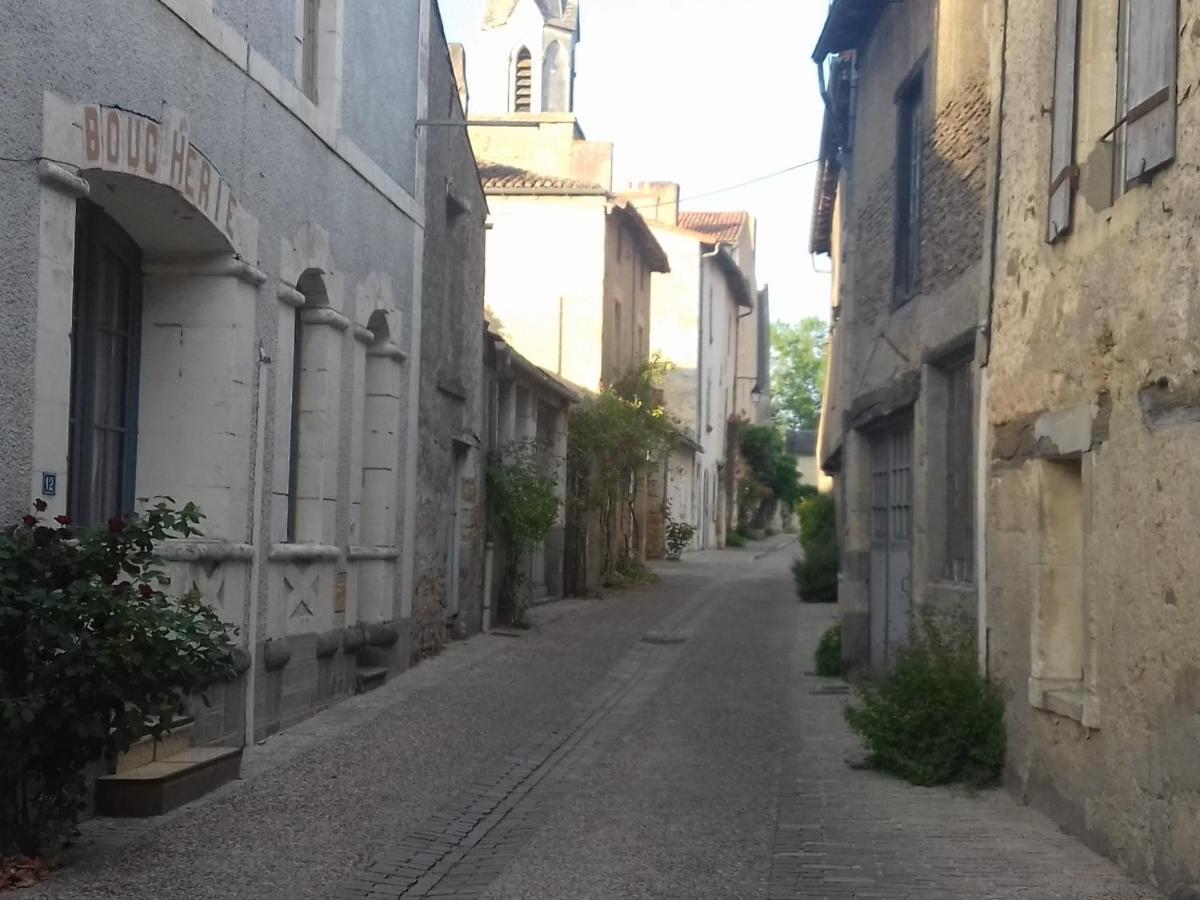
{"x": 735, "y": 539}
{"x": 827, "y": 660}
{"x": 816, "y": 573}
{"x": 936, "y": 719}
{"x": 524, "y": 506}
{"x": 818, "y": 515}
{"x": 93, "y": 655}
{"x": 678, "y": 535}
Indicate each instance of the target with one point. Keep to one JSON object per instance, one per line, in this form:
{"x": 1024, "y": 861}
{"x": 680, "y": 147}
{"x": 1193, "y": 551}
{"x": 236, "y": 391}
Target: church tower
{"x": 526, "y": 57}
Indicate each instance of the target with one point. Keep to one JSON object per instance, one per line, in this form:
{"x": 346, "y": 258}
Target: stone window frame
{"x": 1071, "y": 696}
{"x": 318, "y": 74}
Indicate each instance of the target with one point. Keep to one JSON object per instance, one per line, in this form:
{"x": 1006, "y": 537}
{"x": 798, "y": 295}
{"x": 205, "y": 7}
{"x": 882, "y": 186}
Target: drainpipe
{"x": 716, "y": 251}
{"x": 260, "y": 545}
{"x": 983, "y": 353}
{"x": 489, "y": 568}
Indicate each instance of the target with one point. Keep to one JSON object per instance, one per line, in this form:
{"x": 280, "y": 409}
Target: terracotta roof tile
{"x": 725, "y": 227}
{"x": 499, "y": 178}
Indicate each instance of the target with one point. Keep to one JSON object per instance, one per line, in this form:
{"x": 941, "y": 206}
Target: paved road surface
{"x": 662, "y": 743}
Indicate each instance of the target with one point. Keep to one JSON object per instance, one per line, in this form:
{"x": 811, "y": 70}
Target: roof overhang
{"x": 733, "y": 274}
{"x": 652, "y": 250}
{"x": 848, "y": 25}
{"x": 511, "y": 362}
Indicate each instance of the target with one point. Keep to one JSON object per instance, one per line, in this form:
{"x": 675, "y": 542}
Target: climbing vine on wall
{"x": 524, "y": 507}
{"x": 615, "y": 437}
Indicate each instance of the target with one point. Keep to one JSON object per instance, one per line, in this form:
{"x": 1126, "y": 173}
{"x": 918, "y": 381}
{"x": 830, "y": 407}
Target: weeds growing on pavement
{"x": 827, "y": 660}
{"x": 630, "y": 573}
{"x": 936, "y": 719}
{"x": 735, "y": 540}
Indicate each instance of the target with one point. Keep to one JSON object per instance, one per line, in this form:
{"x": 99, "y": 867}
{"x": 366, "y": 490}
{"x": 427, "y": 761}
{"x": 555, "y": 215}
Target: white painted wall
{"x": 545, "y": 281}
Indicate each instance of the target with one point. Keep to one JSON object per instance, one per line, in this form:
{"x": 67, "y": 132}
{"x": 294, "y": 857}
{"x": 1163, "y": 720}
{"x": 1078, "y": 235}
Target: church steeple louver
{"x": 534, "y": 40}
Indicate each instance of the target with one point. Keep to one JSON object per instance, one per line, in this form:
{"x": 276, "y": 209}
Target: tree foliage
{"x": 798, "y": 363}
{"x": 615, "y": 437}
{"x": 772, "y": 475}
{"x": 816, "y": 572}
{"x": 93, "y": 655}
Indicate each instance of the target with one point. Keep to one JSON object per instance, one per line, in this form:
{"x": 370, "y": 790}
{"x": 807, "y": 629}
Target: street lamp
{"x": 756, "y": 395}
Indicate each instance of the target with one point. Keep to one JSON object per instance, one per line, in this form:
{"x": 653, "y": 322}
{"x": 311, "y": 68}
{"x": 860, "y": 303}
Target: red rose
{"x": 39, "y": 505}
{"x": 29, "y": 521}
{"x": 146, "y": 591}
{"x": 116, "y": 524}
{"x": 63, "y": 520}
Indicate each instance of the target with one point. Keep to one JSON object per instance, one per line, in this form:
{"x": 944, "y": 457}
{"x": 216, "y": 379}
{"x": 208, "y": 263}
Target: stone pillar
{"x": 195, "y": 440}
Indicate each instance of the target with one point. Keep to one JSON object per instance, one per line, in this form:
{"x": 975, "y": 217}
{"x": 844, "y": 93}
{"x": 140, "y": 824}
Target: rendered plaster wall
{"x": 626, "y": 301}
{"x": 270, "y": 26}
{"x": 887, "y": 349}
{"x": 312, "y": 207}
{"x": 545, "y": 281}
{"x": 554, "y": 147}
{"x": 452, "y": 398}
{"x": 718, "y": 365}
{"x": 675, "y": 322}
{"x": 372, "y": 59}
{"x": 1094, "y": 357}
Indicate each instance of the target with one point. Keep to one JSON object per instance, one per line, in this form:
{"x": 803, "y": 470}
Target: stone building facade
{"x": 1084, "y": 392}
{"x": 901, "y": 207}
{"x": 697, "y": 310}
{"x": 452, "y": 412}
{"x": 1091, "y": 414}
{"x": 214, "y": 253}
{"x": 526, "y": 404}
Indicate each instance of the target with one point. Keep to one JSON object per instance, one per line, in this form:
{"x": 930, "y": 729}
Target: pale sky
{"x": 708, "y": 93}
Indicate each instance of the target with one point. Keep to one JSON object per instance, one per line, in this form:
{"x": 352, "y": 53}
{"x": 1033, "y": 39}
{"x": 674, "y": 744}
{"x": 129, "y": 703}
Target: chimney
{"x": 656, "y": 200}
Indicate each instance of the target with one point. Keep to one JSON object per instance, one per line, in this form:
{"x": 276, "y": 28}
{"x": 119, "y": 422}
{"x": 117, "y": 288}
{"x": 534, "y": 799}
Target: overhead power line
{"x": 734, "y": 187}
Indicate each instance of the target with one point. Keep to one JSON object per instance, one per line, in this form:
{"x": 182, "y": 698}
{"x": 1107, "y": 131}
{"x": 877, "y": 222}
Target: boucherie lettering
{"x": 115, "y": 140}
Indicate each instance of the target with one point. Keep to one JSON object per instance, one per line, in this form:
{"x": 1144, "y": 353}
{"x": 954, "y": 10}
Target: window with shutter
{"x": 909, "y": 150}
{"x": 1062, "y": 141}
{"x": 1148, "y": 59}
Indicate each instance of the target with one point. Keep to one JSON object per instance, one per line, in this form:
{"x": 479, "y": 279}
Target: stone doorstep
{"x": 166, "y": 784}
{"x": 146, "y": 750}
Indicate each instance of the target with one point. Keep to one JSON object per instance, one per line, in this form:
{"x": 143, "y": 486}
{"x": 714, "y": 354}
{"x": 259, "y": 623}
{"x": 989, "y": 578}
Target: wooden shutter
{"x": 1062, "y": 140}
{"x": 1150, "y": 44}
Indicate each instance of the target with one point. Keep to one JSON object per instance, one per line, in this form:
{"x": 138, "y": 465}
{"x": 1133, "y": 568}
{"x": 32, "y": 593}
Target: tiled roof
{"x": 500, "y": 179}
{"x": 725, "y": 227}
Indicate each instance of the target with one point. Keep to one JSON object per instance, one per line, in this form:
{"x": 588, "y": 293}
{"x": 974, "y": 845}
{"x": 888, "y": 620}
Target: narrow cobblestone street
{"x": 664, "y": 742}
